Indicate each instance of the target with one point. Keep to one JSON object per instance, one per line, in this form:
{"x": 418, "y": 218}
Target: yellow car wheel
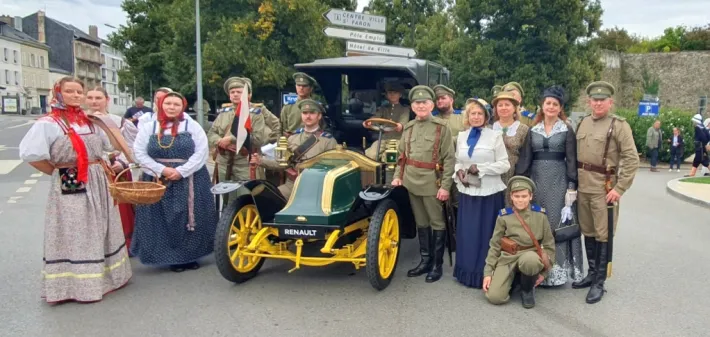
{"x": 236, "y": 228}
{"x": 383, "y": 243}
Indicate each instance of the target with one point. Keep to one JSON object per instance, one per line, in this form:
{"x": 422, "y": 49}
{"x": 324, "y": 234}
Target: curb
{"x": 682, "y": 196}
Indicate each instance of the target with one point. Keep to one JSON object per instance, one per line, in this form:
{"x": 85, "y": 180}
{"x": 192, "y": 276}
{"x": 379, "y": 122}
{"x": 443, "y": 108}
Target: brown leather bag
{"x": 545, "y": 259}
{"x": 509, "y": 246}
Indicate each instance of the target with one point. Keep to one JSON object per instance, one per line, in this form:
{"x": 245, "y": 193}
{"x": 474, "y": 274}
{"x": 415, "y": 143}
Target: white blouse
{"x": 36, "y": 144}
{"x": 490, "y": 157}
{"x": 194, "y": 163}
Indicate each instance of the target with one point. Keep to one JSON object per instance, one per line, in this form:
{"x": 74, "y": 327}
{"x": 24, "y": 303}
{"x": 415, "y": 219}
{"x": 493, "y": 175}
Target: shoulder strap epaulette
{"x": 457, "y": 112}
{"x": 440, "y": 121}
{"x": 298, "y": 131}
{"x": 255, "y": 110}
{"x": 505, "y": 211}
{"x": 537, "y": 208}
{"x": 326, "y": 134}
{"x": 615, "y": 116}
{"x": 410, "y": 123}
{"x": 435, "y": 112}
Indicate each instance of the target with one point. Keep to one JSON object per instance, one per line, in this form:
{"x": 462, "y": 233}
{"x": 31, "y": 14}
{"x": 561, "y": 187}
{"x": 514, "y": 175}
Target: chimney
{"x": 94, "y": 32}
{"x": 40, "y": 27}
{"x": 18, "y": 23}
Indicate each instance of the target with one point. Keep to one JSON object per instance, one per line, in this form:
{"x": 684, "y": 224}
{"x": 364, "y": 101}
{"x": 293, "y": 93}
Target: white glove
{"x": 570, "y": 197}
{"x": 566, "y": 214}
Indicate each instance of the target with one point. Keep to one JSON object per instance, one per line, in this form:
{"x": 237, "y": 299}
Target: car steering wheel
{"x": 381, "y": 124}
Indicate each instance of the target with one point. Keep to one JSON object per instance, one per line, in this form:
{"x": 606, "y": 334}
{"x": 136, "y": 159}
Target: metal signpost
{"x": 380, "y": 49}
{"x": 354, "y": 35}
{"x": 356, "y": 20}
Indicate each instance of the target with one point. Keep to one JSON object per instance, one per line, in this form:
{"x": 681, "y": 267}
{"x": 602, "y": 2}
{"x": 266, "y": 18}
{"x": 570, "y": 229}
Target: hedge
{"x": 669, "y": 118}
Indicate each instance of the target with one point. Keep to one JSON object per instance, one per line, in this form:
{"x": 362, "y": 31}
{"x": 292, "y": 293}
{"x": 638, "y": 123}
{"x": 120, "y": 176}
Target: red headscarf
{"x": 72, "y": 115}
{"x": 164, "y": 119}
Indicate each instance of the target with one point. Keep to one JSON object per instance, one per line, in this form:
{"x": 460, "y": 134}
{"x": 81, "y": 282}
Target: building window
{"x": 14, "y": 54}
{"x": 32, "y": 60}
{"x": 41, "y": 62}
{"x": 17, "y": 78}
{"x": 114, "y": 75}
{"x": 5, "y": 50}
{"x": 7, "y": 77}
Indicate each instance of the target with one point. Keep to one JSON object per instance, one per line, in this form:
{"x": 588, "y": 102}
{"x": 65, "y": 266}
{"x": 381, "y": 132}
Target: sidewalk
{"x": 693, "y": 193}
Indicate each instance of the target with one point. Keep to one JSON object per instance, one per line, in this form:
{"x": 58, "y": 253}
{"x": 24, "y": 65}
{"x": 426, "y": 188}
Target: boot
{"x": 596, "y": 291}
{"x": 589, "y": 245}
{"x": 425, "y": 250}
{"x": 439, "y": 247}
{"x": 527, "y": 290}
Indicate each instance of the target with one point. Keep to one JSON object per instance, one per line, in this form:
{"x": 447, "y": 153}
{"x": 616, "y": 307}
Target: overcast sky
{"x": 642, "y": 17}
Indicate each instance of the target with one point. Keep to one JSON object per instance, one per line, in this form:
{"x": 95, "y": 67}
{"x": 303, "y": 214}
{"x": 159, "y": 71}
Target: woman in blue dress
{"x": 179, "y": 229}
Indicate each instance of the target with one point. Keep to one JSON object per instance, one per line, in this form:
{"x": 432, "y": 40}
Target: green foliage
{"x": 403, "y": 17}
{"x": 617, "y": 39}
{"x": 697, "y": 180}
{"x": 669, "y": 119}
{"x": 649, "y": 82}
{"x": 674, "y": 39}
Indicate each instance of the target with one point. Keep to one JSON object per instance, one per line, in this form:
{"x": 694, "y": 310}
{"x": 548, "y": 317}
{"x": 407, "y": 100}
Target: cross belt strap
{"x": 543, "y": 257}
{"x": 404, "y": 160}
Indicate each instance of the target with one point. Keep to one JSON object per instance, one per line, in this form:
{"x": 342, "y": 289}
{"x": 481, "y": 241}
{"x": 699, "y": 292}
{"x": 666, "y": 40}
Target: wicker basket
{"x": 136, "y": 192}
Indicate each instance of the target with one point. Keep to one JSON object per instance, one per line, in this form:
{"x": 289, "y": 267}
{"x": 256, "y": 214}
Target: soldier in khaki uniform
{"x": 604, "y": 176}
{"x": 501, "y": 265}
{"x": 394, "y": 111}
{"x": 233, "y": 164}
{"x": 273, "y": 124}
{"x": 426, "y": 168}
{"x": 311, "y": 114}
{"x": 445, "y": 108}
{"x": 524, "y": 116}
{"x": 290, "y": 114}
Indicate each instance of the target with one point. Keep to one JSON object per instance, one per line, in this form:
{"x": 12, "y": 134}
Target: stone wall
{"x": 683, "y": 78}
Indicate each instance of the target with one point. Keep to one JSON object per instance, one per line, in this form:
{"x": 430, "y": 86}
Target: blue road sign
{"x": 649, "y": 108}
{"x": 289, "y": 98}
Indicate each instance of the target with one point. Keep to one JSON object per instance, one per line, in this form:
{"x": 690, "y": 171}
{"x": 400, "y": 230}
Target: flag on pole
{"x": 243, "y": 127}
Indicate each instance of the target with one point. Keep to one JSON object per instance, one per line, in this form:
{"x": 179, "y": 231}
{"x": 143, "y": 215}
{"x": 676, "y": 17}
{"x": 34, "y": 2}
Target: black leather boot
{"x": 439, "y": 248}
{"x": 426, "y": 246}
{"x": 527, "y": 290}
{"x": 589, "y": 245}
{"x": 596, "y": 291}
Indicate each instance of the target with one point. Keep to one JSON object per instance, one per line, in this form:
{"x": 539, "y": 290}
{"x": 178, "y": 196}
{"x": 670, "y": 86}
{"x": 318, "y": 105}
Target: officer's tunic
{"x": 526, "y": 117}
{"x": 622, "y": 155}
{"x": 418, "y": 143}
{"x": 501, "y": 265}
{"x": 397, "y": 113}
{"x": 290, "y": 119}
{"x": 325, "y": 142}
{"x": 454, "y": 120}
{"x": 271, "y": 122}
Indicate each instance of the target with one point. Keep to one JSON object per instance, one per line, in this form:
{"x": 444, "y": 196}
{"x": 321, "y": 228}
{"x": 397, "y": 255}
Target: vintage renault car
{"x": 341, "y": 208}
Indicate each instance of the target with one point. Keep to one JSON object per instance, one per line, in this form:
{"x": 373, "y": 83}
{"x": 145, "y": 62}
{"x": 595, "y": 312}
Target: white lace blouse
{"x": 194, "y": 163}
{"x": 490, "y": 157}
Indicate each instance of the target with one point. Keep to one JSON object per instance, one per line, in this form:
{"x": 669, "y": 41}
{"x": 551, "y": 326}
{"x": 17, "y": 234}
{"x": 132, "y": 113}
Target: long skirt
{"x": 476, "y": 220}
{"x": 128, "y": 216}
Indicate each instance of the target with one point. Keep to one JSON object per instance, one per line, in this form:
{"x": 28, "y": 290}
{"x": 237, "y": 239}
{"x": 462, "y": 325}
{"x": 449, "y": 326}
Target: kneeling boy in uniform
{"x": 513, "y": 250}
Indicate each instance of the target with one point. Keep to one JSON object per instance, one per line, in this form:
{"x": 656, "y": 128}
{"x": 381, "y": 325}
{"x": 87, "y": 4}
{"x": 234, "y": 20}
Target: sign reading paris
{"x": 356, "y": 20}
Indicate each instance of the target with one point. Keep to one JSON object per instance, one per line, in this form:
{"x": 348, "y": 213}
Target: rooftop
{"x": 11, "y": 33}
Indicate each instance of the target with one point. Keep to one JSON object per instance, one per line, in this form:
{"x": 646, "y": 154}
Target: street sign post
{"x": 380, "y": 49}
{"x": 354, "y": 35}
{"x": 356, "y": 20}
{"x": 289, "y": 98}
{"x": 648, "y": 108}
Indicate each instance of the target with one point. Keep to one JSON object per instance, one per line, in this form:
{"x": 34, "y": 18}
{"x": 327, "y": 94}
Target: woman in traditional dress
{"x": 549, "y": 158}
{"x": 97, "y": 100}
{"x": 481, "y": 159}
{"x": 85, "y": 254}
{"x": 514, "y": 132}
{"x": 179, "y": 229}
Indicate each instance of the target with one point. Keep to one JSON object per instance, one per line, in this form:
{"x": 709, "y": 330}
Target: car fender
{"x": 375, "y": 193}
{"x": 267, "y": 198}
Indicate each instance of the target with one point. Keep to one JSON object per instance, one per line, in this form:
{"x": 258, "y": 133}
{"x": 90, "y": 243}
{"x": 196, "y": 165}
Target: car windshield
{"x": 363, "y": 95}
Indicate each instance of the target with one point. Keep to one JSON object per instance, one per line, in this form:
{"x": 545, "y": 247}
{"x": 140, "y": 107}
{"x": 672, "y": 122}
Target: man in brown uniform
{"x": 311, "y": 114}
{"x": 393, "y": 111}
{"x": 426, "y": 168}
{"x": 445, "y": 109}
{"x": 604, "y": 175}
{"x": 290, "y": 115}
{"x": 273, "y": 125}
{"x": 233, "y": 164}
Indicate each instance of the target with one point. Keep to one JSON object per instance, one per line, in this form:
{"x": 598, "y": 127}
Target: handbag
{"x": 544, "y": 258}
{"x": 567, "y": 233}
{"x": 509, "y": 246}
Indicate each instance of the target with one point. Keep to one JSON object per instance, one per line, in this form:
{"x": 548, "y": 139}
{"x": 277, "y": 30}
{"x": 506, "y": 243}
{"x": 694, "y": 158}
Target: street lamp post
{"x": 198, "y": 47}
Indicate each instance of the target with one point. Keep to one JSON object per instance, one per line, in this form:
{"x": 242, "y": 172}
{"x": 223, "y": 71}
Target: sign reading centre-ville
{"x": 356, "y": 20}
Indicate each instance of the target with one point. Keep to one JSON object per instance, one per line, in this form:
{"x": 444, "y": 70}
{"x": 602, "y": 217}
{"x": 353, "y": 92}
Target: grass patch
{"x": 696, "y": 180}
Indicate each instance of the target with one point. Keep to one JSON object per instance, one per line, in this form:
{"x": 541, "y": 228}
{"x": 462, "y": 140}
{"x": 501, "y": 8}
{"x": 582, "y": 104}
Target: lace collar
{"x": 559, "y": 127}
{"x": 510, "y": 131}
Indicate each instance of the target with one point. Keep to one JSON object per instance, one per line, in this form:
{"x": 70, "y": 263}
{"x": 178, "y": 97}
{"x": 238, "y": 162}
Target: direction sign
{"x": 380, "y": 49}
{"x": 356, "y": 20}
{"x": 289, "y": 98}
{"x": 354, "y": 35}
{"x": 648, "y": 108}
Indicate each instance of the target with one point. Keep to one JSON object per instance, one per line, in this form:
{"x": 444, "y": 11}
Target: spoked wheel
{"x": 383, "y": 243}
{"x": 236, "y": 228}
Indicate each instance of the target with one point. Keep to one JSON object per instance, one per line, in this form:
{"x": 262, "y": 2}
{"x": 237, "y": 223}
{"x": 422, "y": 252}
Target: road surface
{"x": 659, "y": 288}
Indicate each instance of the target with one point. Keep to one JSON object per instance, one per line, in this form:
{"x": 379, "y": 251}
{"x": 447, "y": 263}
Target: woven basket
{"x": 136, "y": 192}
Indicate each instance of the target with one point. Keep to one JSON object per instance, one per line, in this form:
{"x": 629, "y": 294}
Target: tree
{"x": 403, "y": 16}
{"x": 670, "y": 41}
{"x": 698, "y": 38}
{"x": 616, "y": 38}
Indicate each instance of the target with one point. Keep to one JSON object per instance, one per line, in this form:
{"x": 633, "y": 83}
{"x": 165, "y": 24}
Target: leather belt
{"x": 545, "y": 155}
{"x": 423, "y": 164}
{"x": 243, "y": 152}
{"x": 595, "y": 168}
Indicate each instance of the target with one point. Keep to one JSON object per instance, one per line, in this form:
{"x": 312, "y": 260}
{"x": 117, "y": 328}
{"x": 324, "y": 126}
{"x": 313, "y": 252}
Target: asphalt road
{"x": 659, "y": 287}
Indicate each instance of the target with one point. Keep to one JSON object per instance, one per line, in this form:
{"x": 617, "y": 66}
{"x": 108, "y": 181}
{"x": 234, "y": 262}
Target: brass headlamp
{"x": 391, "y": 154}
{"x": 282, "y": 152}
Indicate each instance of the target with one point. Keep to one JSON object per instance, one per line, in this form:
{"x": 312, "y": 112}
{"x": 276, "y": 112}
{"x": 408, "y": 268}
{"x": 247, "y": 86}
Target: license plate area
{"x": 302, "y": 232}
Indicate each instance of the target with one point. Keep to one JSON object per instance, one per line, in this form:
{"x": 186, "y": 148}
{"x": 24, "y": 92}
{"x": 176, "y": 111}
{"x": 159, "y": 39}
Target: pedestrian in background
{"x": 654, "y": 135}
{"x": 135, "y": 112}
{"x": 700, "y": 144}
{"x": 677, "y": 145}
{"x": 85, "y": 254}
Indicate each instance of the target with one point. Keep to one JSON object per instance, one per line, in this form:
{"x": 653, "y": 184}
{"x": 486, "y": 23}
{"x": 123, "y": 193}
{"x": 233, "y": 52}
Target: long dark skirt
{"x": 476, "y": 221}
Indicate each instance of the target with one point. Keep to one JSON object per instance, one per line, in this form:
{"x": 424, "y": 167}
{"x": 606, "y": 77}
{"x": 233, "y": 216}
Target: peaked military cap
{"x": 505, "y": 95}
{"x": 394, "y": 86}
{"x": 442, "y": 90}
{"x": 518, "y": 183}
{"x": 234, "y": 82}
{"x": 421, "y": 93}
{"x": 309, "y": 105}
{"x": 496, "y": 89}
{"x": 510, "y": 86}
{"x": 247, "y": 80}
{"x": 303, "y": 79}
{"x": 600, "y": 89}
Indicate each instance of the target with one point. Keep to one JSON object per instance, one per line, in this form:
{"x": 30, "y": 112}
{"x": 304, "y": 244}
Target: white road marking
{"x": 12, "y": 201}
{"x": 29, "y": 122}
{"x": 37, "y": 175}
{"x": 30, "y": 182}
{"x": 23, "y": 189}
{"x": 6, "y": 166}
